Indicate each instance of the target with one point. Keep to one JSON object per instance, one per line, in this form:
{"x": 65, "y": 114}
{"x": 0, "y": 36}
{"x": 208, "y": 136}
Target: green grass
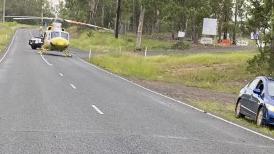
{"x": 224, "y": 72}
{"x": 6, "y": 32}
{"x": 105, "y": 41}
{"x": 226, "y": 111}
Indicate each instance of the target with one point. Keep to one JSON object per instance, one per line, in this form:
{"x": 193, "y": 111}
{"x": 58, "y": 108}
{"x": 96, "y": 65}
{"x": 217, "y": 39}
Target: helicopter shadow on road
{"x": 55, "y": 54}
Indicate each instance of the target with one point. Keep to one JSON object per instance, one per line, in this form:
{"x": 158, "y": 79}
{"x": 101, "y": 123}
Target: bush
{"x": 181, "y": 45}
{"x": 90, "y": 34}
{"x": 262, "y": 64}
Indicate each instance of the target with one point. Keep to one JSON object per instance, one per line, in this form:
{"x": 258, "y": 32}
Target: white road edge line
{"x": 73, "y": 86}
{"x": 157, "y": 93}
{"x": 45, "y": 60}
{"x": 61, "y": 74}
{"x": 97, "y": 109}
{"x": 7, "y": 50}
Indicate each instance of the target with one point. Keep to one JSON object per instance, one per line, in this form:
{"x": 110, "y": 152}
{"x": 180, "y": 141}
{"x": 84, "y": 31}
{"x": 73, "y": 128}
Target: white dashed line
{"x": 97, "y": 109}
{"x": 61, "y": 74}
{"x": 73, "y": 86}
{"x": 45, "y": 60}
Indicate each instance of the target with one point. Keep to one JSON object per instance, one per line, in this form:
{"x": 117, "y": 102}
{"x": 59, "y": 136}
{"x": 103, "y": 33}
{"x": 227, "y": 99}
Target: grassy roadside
{"x": 222, "y": 72}
{"x": 225, "y": 72}
{"x": 6, "y": 32}
{"x": 226, "y": 111}
{"x": 104, "y": 42}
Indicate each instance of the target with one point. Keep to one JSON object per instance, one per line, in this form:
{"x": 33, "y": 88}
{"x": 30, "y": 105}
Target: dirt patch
{"x": 185, "y": 93}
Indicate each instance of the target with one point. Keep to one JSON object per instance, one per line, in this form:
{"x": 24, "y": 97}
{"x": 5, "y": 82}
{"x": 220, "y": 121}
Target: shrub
{"x": 181, "y": 45}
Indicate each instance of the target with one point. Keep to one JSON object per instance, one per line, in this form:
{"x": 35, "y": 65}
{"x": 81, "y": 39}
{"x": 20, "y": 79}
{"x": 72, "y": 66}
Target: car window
{"x": 253, "y": 84}
{"x": 271, "y": 88}
{"x": 260, "y": 86}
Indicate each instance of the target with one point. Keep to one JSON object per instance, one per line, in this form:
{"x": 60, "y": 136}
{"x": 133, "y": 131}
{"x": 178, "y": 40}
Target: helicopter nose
{"x": 60, "y": 43}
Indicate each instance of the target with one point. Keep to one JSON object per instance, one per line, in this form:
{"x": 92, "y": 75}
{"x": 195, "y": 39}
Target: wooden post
{"x": 89, "y": 56}
{"x": 146, "y": 52}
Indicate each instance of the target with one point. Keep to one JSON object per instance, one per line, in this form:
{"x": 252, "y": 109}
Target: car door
{"x": 255, "y": 99}
{"x": 247, "y": 98}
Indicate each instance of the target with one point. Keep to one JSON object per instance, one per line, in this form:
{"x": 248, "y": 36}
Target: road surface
{"x": 53, "y": 104}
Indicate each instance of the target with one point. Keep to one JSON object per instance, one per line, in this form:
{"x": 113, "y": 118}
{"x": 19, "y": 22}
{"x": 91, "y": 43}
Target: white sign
{"x": 242, "y": 43}
{"x": 206, "y": 40}
{"x": 210, "y": 26}
{"x": 181, "y": 34}
{"x": 254, "y": 36}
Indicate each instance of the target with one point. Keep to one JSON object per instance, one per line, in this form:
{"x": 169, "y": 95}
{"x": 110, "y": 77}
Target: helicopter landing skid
{"x": 67, "y": 53}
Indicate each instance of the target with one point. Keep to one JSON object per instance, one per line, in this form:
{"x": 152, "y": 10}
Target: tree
{"x": 140, "y": 29}
{"x": 272, "y": 26}
{"x": 160, "y": 15}
{"x": 118, "y": 14}
{"x": 261, "y": 14}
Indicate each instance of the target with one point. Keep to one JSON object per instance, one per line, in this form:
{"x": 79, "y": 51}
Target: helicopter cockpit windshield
{"x": 65, "y": 35}
{"x": 55, "y": 34}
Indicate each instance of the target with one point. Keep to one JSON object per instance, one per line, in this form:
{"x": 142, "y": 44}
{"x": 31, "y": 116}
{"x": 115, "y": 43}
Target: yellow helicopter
{"x": 55, "y": 38}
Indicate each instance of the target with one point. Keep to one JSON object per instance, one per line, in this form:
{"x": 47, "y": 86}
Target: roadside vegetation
{"x": 226, "y": 111}
{"x": 6, "y": 32}
{"x": 224, "y": 72}
{"x": 104, "y": 42}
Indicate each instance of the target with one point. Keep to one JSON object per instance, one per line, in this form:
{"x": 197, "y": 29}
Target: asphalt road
{"x": 54, "y": 104}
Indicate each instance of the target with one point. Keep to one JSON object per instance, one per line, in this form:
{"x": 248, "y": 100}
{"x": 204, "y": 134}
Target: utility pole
{"x": 118, "y": 14}
{"x": 4, "y": 10}
{"x": 235, "y": 22}
{"x": 42, "y": 13}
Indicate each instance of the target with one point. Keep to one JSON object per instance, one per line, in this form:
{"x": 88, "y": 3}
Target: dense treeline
{"x": 160, "y": 15}
{"x": 26, "y": 8}
{"x": 171, "y": 16}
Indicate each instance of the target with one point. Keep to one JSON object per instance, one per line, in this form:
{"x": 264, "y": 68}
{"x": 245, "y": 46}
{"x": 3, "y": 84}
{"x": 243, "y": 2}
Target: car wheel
{"x": 260, "y": 117}
{"x": 238, "y": 113}
{"x": 34, "y": 47}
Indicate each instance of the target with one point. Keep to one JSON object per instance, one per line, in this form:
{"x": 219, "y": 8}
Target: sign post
{"x": 209, "y": 29}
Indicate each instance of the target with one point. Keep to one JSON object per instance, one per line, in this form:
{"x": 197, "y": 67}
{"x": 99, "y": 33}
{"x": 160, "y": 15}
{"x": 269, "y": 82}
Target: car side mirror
{"x": 257, "y": 91}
